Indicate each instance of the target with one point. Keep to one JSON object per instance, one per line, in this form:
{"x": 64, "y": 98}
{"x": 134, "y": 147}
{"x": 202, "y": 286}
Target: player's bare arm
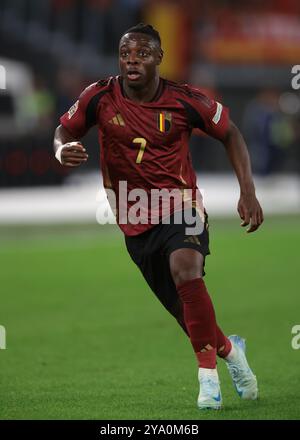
{"x": 249, "y": 208}
{"x": 73, "y": 152}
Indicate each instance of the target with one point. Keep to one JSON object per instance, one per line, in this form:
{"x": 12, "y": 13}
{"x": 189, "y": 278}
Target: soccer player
{"x": 144, "y": 124}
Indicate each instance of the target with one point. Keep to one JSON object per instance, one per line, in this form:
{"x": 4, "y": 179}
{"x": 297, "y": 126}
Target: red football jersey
{"x": 146, "y": 144}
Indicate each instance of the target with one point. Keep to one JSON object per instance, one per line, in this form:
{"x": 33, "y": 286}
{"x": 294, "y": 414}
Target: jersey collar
{"x": 154, "y": 100}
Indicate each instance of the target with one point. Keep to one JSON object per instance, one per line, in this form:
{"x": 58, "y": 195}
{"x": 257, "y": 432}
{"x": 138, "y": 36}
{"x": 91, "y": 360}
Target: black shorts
{"x": 151, "y": 251}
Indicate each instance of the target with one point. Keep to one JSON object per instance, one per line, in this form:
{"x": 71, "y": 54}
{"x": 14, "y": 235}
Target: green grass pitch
{"x": 86, "y": 338}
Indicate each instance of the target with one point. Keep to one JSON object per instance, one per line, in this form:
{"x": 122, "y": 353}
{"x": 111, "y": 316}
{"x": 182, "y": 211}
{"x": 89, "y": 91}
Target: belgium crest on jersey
{"x": 164, "y": 121}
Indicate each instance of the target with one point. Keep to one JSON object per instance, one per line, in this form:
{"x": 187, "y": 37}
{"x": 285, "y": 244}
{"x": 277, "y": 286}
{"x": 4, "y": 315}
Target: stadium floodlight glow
{"x": 2, "y": 77}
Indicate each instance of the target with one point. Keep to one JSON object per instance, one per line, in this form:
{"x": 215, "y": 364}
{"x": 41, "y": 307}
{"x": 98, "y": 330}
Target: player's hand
{"x": 250, "y": 212}
{"x": 73, "y": 154}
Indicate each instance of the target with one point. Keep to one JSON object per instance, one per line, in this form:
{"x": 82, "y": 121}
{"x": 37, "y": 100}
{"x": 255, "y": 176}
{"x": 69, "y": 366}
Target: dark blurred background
{"x": 241, "y": 53}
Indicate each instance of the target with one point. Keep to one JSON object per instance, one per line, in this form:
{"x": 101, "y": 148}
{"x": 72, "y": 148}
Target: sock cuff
{"x": 199, "y": 282}
{"x": 190, "y": 290}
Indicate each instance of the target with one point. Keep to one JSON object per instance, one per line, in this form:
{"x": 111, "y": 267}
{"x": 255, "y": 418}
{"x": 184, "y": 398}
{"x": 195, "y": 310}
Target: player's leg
{"x": 224, "y": 345}
{"x": 231, "y": 349}
{"x": 186, "y": 266}
{"x": 199, "y": 317}
{"x": 151, "y": 251}
{"x": 145, "y": 250}
{"x": 155, "y": 268}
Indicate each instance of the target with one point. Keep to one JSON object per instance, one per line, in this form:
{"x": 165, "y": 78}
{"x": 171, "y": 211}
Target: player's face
{"x": 139, "y": 58}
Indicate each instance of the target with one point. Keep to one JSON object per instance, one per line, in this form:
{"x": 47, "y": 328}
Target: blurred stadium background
{"x": 57, "y": 262}
{"x": 242, "y": 53}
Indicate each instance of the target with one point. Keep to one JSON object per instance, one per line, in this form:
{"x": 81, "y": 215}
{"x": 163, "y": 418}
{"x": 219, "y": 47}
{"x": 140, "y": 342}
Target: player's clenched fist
{"x": 71, "y": 154}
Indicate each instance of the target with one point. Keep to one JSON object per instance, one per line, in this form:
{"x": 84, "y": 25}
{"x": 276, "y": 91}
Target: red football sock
{"x": 200, "y": 320}
{"x": 223, "y": 344}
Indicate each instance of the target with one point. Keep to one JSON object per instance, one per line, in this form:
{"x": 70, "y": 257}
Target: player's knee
{"x": 185, "y": 265}
{"x": 183, "y": 273}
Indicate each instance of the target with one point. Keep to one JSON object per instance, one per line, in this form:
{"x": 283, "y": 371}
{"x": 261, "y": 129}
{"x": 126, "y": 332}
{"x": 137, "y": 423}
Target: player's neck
{"x": 147, "y": 94}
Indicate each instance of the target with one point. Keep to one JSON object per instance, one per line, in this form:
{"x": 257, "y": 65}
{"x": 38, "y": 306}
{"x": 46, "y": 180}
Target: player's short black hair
{"x": 147, "y": 29}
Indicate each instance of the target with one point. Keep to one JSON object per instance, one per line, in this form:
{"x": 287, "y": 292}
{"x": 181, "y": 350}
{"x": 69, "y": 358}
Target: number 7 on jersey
{"x": 143, "y": 143}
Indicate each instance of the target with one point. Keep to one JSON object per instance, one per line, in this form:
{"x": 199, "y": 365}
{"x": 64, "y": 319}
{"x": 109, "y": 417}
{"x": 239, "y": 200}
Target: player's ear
{"x": 160, "y": 56}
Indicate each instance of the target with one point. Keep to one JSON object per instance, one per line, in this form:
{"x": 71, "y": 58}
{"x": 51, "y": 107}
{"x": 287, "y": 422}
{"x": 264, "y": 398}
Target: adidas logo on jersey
{"x": 117, "y": 120}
